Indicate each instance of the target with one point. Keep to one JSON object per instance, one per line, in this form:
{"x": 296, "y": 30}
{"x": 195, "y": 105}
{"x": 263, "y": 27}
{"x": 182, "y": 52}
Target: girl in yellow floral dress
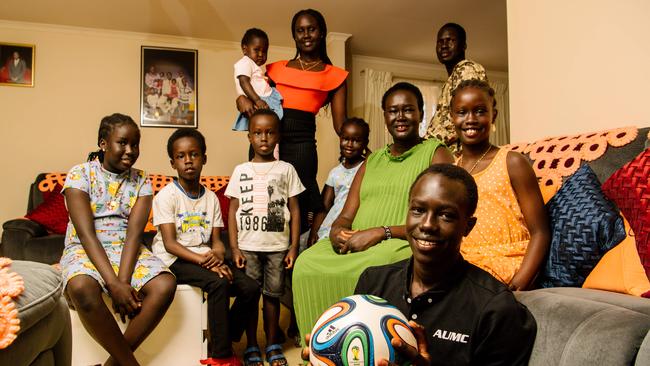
{"x": 109, "y": 202}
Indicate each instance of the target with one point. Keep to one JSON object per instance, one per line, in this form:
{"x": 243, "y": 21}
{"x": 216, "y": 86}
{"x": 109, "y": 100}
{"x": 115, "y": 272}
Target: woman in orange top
{"x": 307, "y": 82}
{"x": 511, "y": 236}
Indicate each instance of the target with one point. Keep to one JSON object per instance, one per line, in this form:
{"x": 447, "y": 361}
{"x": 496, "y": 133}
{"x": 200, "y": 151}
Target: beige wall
{"x": 82, "y": 75}
{"x": 577, "y": 66}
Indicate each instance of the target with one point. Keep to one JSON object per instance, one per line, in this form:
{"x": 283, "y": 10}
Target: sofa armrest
{"x": 16, "y": 233}
{"x": 33, "y": 228}
{"x": 576, "y": 327}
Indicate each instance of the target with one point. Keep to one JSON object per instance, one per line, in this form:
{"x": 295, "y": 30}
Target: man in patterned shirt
{"x": 450, "y": 49}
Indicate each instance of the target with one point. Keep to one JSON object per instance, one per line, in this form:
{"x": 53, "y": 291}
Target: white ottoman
{"x": 178, "y": 339}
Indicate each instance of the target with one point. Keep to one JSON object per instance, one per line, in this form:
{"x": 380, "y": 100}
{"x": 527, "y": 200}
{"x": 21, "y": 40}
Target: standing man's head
{"x": 451, "y": 44}
{"x": 16, "y": 55}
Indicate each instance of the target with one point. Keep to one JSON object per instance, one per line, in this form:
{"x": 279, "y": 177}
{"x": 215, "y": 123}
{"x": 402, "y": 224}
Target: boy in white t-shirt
{"x": 264, "y": 221}
{"x": 250, "y": 79}
{"x": 189, "y": 224}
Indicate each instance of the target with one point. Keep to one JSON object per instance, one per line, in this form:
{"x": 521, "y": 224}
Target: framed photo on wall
{"x": 17, "y": 68}
{"x": 168, "y": 87}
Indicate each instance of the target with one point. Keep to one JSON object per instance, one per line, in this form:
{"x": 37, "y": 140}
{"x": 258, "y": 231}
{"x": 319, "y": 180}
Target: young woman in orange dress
{"x": 307, "y": 83}
{"x": 511, "y": 236}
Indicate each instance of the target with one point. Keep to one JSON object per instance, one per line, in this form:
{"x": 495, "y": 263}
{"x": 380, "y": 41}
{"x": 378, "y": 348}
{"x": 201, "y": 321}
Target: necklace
{"x": 201, "y": 188}
{"x": 310, "y": 65}
{"x": 113, "y": 186}
{"x": 460, "y": 161}
{"x": 267, "y": 170}
{"x": 113, "y": 191}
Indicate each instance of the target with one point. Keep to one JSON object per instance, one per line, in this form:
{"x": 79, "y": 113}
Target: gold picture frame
{"x": 168, "y": 87}
{"x": 17, "y": 64}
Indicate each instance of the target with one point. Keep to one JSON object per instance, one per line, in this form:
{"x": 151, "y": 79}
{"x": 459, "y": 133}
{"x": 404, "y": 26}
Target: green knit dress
{"x": 321, "y": 276}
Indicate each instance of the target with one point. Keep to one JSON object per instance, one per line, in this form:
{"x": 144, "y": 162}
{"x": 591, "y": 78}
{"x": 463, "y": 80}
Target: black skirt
{"x": 298, "y": 147}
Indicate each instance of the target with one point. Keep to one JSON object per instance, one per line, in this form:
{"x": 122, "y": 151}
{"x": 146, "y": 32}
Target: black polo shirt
{"x": 470, "y": 319}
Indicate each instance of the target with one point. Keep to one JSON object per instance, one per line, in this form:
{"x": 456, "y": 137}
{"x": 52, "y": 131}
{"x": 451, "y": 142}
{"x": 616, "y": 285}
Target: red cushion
{"x": 51, "y": 213}
{"x": 629, "y": 188}
{"x": 224, "y": 205}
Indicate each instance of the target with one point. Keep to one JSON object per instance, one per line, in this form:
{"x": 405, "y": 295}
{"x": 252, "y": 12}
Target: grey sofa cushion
{"x": 46, "y": 343}
{"x": 629, "y": 302}
{"x": 45, "y": 337}
{"x": 43, "y": 287}
{"x": 574, "y": 327}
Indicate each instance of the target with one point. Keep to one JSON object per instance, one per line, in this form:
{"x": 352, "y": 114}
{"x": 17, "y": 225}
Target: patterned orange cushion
{"x": 50, "y": 181}
{"x": 555, "y": 158}
{"x": 158, "y": 182}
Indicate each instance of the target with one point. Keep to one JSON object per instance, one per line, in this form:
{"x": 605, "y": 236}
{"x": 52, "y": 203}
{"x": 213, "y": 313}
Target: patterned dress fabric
{"x": 441, "y": 126}
{"x": 340, "y": 179}
{"x": 499, "y": 240}
{"x": 112, "y": 196}
{"x": 321, "y": 276}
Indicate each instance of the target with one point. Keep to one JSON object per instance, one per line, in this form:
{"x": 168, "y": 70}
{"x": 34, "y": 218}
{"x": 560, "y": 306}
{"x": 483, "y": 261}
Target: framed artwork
{"x": 17, "y": 68}
{"x": 168, "y": 87}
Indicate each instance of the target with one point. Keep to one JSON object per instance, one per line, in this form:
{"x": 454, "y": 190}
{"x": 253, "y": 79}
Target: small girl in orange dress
{"x": 511, "y": 236}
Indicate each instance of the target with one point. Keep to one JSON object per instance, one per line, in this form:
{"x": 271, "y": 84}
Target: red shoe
{"x": 228, "y": 361}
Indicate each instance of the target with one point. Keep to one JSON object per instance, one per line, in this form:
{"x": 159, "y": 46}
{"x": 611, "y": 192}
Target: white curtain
{"x": 375, "y": 85}
{"x": 502, "y": 134}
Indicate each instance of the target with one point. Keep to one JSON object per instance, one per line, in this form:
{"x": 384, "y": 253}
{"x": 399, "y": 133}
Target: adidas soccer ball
{"x": 356, "y": 331}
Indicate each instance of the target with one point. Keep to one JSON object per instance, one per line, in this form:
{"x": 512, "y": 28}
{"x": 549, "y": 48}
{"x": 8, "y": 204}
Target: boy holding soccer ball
{"x": 461, "y": 315}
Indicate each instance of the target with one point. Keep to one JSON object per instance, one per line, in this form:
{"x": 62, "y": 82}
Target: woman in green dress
{"x": 370, "y": 229}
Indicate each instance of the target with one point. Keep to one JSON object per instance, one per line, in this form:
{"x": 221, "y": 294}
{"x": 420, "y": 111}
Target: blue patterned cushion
{"x": 584, "y": 226}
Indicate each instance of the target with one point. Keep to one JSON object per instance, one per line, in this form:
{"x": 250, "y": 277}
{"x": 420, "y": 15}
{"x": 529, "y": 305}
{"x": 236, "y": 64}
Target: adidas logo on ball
{"x": 331, "y": 330}
{"x": 356, "y": 331}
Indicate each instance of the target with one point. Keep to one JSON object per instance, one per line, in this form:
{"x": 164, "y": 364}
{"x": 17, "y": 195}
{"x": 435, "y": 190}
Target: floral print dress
{"x": 111, "y": 198}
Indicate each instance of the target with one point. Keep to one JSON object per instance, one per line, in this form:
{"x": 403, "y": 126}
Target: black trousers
{"x": 298, "y": 147}
{"x": 225, "y": 324}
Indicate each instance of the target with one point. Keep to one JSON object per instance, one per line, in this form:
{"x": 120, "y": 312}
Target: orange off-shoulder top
{"x": 304, "y": 90}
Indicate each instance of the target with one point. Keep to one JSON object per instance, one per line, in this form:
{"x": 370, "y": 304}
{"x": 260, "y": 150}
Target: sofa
{"x": 48, "y": 326}
{"x": 576, "y": 326}
{"x": 45, "y": 336}
{"x": 585, "y": 326}
{"x": 25, "y": 239}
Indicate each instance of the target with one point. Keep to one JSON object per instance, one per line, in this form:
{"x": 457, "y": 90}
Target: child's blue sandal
{"x": 277, "y": 359}
{"x": 253, "y": 356}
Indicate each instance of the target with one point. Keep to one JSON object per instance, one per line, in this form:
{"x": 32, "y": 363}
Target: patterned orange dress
{"x": 499, "y": 240}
